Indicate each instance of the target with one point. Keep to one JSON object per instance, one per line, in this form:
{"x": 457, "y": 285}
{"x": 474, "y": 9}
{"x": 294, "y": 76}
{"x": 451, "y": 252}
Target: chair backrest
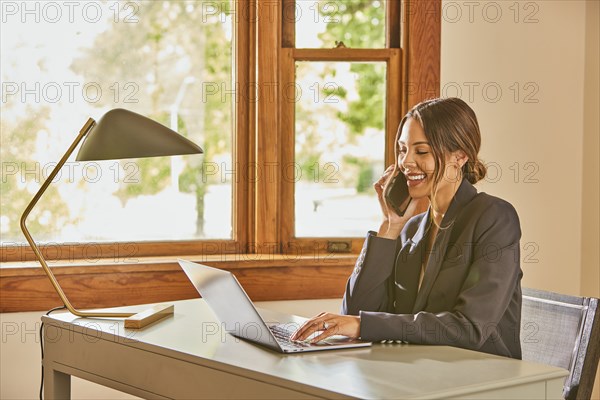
{"x": 563, "y": 331}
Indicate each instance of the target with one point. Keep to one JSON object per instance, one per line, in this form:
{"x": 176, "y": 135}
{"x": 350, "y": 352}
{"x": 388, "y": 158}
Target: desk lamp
{"x": 118, "y": 134}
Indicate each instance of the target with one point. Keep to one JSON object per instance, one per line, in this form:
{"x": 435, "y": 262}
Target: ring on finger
{"x": 325, "y": 326}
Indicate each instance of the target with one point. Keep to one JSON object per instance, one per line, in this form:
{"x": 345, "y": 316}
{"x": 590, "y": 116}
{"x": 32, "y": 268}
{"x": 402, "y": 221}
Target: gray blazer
{"x": 470, "y": 295}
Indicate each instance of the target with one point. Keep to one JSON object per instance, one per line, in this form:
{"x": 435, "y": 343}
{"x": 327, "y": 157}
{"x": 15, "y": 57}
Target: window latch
{"x": 339, "y": 246}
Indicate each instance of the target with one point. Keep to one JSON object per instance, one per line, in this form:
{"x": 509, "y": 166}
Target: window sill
{"x": 109, "y": 283}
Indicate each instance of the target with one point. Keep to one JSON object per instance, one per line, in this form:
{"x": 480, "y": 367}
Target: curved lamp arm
{"x": 86, "y": 128}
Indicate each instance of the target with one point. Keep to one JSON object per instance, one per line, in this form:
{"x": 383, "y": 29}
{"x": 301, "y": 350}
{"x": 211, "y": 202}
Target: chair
{"x": 563, "y": 331}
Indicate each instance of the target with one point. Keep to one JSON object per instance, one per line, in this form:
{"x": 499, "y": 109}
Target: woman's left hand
{"x": 329, "y": 324}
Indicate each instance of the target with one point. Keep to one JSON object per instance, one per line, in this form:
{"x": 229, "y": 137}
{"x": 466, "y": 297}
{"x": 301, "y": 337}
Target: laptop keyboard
{"x": 283, "y": 337}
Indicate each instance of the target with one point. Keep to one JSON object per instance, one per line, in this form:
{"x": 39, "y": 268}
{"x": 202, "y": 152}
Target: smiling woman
{"x": 434, "y": 153}
{"x": 447, "y": 276}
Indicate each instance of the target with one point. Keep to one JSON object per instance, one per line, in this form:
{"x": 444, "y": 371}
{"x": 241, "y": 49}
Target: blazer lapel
{"x": 416, "y": 239}
{"x": 433, "y": 266}
{"x": 464, "y": 194}
{"x": 408, "y": 268}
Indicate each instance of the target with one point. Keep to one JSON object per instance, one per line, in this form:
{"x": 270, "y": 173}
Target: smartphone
{"x": 396, "y": 194}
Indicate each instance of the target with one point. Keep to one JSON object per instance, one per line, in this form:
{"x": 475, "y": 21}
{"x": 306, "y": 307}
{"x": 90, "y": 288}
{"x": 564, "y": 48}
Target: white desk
{"x": 189, "y": 356}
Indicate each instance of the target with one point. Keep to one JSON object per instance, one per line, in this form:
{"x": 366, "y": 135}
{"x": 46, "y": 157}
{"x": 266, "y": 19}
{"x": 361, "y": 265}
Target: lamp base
{"x": 149, "y": 316}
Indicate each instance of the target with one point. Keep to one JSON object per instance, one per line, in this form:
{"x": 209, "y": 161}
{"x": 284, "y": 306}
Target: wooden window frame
{"x": 289, "y": 57}
{"x": 259, "y": 254}
{"x": 412, "y": 76}
{"x": 241, "y": 212}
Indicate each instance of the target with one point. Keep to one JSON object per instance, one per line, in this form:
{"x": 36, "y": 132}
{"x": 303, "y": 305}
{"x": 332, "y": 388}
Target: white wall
{"x": 534, "y": 136}
{"x": 590, "y": 248}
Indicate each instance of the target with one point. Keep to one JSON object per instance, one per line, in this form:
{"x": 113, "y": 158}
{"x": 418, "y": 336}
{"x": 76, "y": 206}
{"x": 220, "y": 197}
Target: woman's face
{"x": 417, "y": 162}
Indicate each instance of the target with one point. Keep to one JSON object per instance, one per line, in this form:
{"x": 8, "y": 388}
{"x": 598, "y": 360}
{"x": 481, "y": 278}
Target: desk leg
{"x": 57, "y": 385}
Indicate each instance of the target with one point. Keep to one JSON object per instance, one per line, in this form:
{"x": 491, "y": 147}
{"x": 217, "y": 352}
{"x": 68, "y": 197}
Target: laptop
{"x": 232, "y": 306}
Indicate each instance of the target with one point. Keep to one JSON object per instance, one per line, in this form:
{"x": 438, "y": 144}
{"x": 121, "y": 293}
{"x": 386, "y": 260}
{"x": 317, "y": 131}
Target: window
{"x": 344, "y": 65}
{"x": 380, "y": 56}
{"x": 294, "y": 102}
{"x": 63, "y": 62}
{"x": 339, "y": 143}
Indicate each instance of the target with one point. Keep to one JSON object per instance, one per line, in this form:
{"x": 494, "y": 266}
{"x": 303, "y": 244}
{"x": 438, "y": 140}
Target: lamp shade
{"x": 124, "y": 134}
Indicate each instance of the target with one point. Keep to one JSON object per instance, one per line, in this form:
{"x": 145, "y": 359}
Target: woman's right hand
{"x": 392, "y": 223}
{"x": 379, "y": 187}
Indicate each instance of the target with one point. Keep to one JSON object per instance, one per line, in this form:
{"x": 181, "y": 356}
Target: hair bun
{"x": 474, "y": 171}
